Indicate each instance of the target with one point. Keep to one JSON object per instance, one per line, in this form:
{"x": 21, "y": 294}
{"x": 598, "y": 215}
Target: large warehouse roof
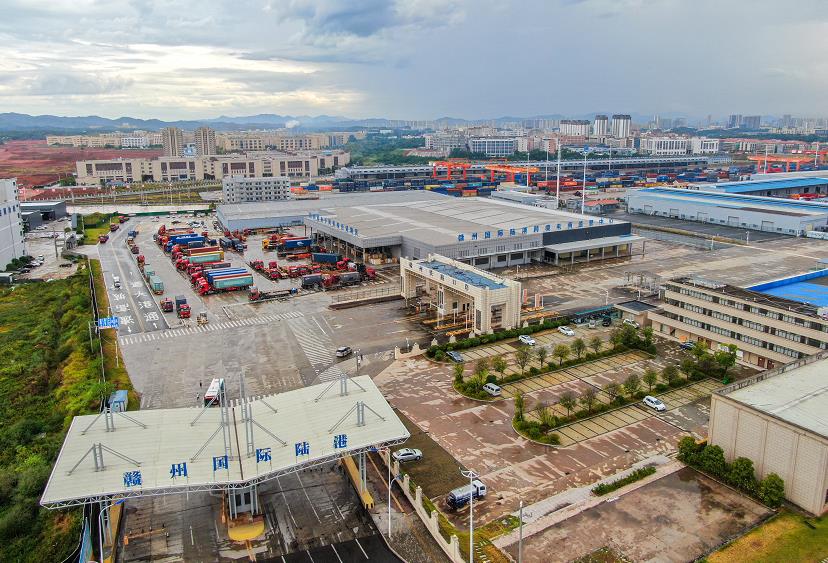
{"x": 798, "y": 396}
{"x": 766, "y": 185}
{"x": 790, "y": 207}
{"x": 811, "y": 287}
{"x": 447, "y": 220}
{"x": 290, "y": 430}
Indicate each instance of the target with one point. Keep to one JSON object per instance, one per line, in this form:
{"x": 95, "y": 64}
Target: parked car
{"x": 687, "y": 345}
{"x": 654, "y": 403}
{"x": 344, "y": 351}
{"x": 116, "y": 282}
{"x": 526, "y": 339}
{"x": 455, "y": 356}
{"x": 40, "y": 258}
{"x": 492, "y": 389}
{"x": 408, "y": 454}
{"x": 632, "y": 323}
{"x": 606, "y": 321}
{"x": 566, "y": 331}
{"x": 593, "y": 323}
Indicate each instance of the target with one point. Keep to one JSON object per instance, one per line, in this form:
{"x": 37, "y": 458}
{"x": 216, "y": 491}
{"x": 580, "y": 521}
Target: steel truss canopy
{"x": 179, "y": 450}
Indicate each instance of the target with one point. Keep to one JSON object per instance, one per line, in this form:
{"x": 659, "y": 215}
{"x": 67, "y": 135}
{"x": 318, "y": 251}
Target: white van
{"x": 492, "y": 389}
{"x": 116, "y": 282}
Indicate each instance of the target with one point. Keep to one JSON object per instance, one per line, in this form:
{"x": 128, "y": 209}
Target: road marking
{"x": 337, "y": 553}
{"x": 360, "y": 548}
{"x": 304, "y": 490}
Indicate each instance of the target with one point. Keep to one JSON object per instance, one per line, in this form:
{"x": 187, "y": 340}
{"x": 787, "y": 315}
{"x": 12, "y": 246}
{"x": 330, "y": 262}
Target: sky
{"x": 413, "y": 59}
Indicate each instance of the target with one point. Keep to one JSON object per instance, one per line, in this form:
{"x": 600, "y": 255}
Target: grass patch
{"x": 48, "y": 374}
{"x": 603, "y": 555}
{"x": 785, "y": 537}
{"x": 637, "y": 475}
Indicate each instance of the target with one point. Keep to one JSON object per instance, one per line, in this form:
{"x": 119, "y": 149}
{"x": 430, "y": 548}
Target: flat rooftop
{"x": 798, "y": 396}
{"x": 444, "y": 220}
{"x": 776, "y": 184}
{"x": 779, "y": 206}
{"x": 461, "y": 275}
{"x": 810, "y": 288}
{"x": 154, "y": 441}
{"x": 751, "y": 294}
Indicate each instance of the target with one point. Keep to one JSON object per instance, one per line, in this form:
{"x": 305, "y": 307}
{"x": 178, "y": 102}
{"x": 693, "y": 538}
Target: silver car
{"x": 408, "y": 454}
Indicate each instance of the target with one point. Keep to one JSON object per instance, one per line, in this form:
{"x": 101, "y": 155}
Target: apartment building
{"x": 172, "y": 139}
{"x": 575, "y": 127}
{"x": 621, "y": 125}
{"x": 493, "y": 146}
{"x": 238, "y": 189}
{"x": 11, "y": 222}
{"x": 170, "y": 169}
{"x": 205, "y": 141}
{"x": 600, "y": 127}
{"x": 767, "y": 323}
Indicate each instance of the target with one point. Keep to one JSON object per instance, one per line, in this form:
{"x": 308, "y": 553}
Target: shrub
{"x": 772, "y": 490}
{"x": 440, "y": 356}
{"x": 688, "y": 450}
{"x": 712, "y": 460}
{"x": 741, "y": 474}
{"x": 637, "y": 475}
{"x": 491, "y": 378}
{"x": 533, "y": 371}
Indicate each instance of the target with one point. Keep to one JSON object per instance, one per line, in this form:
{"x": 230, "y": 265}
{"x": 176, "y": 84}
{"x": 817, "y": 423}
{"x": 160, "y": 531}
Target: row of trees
{"x": 701, "y": 362}
{"x": 739, "y": 474}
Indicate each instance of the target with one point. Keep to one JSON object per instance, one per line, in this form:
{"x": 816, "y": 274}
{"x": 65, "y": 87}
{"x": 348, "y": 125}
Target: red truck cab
{"x": 184, "y": 311}
{"x": 167, "y": 305}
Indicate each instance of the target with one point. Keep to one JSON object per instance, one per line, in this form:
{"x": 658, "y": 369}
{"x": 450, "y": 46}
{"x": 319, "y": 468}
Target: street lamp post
{"x": 520, "y": 536}
{"x": 472, "y": 476}
{"x": 390, "y": 483}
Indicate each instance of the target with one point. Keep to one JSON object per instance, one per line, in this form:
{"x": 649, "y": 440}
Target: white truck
{"x": 460, "y": 496}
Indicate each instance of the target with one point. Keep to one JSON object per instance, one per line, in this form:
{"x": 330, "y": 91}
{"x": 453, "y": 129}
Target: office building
{"x": 751, "y": 122}
{"x": 172, "y": 139}
{"x": 621, "y": 126}
{"x": 777, "y": 420}
{"x": 703, "y": 145}
{"x": 493, "y": 146}
{"x": 664, "y": 146}
{"x": 772, "y": 323}
{"x": 238, "y": 189}
{"x": 600, "y": 127}
{"x": 11, "y": 222}
{"x": 575, "y": 127}
{"x": 734, "y": 121}
{"x": 205, "y": 141}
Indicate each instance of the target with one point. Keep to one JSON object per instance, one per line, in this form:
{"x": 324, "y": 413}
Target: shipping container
{"x": 326, "y": 257}
{"x": 206, "y": 257}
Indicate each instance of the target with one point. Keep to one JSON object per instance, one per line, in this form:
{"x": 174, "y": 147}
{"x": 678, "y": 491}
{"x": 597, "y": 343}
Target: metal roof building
{"x": 770, "y": 214}
{"x": 779, "y": 420}
{"x": 778, "y": 187}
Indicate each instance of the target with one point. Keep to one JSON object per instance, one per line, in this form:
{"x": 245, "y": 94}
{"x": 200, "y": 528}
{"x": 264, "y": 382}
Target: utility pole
{"x": 520, "y": 536}
{"x": 558, "y": 182}
{"x": 583, "y": 191}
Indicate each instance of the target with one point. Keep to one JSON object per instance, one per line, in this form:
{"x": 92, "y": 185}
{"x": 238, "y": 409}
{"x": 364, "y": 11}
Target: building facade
{"x": 170, "y": 169}
{"x": 621, "y": 125}
{"x": 768, "y": 331}
{"x": 575, "y": 127}
{"x": 600, "y": 127}
{"x": 11, "y": 222}
{"x": 777, "y": 420}
{"x": 493, "y": 146}
{"x": 664, "y": 146}
{"x": 703, "y": 145}
{"x": 238, "y": 189}
{"x": 172, "y": 139}
{"x": 205, "y": 141}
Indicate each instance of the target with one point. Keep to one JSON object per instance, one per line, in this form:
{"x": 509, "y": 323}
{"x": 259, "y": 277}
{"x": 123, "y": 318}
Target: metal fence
{"x": 364, "y": 294}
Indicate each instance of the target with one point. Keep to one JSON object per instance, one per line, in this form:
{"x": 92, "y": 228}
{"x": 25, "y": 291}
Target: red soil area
{"x": 34, "y": 163}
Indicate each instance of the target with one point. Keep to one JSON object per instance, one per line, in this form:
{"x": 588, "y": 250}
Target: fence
{"x": 365, "y": 294}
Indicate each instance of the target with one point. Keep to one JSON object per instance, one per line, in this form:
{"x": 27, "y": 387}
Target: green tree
{"x": 596, "y": 344}
{"x": 519, "y": 406}
{"x": 568, "y": 401}
{"x": 726, "y": 359}
{"x": 500, "y": 365}
{"x": 588, "y": 398}
{"x": 650, "y": 378}
{"x": 612, "y": 389}
{"x": 542, "y": 352}
{"x": 545, "y": 416}
{"x": 632, "y": 384}
{"x": 741, "y": 474}
{"x": 578, "y": 347}
{"x": 522, "y": 357}
{"x": 772, "y": 490}
{"x": 712, "y": 460}
{"x": 561, "y": 351}
{"x": 458, "y": 372}
{"x": 481, "y": 366}
{"x": 670, "y": 374}
{"x": 648, "y": 336}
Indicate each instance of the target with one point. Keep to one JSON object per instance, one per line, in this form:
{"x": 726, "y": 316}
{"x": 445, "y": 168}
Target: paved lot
{"x": 674, "y": 519}
{"x": 705, "y": 229}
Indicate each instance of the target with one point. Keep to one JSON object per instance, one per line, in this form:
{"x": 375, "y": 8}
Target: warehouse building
{"x": 771, "y": 324}
{"x": 461, "y": 296}
{"x": 777, "y": 420}
{"x": 777, "y": 187}
{"x": 482, "y": 232}
{"x": 769, "y": 214}
{"x": 49, "y": 210}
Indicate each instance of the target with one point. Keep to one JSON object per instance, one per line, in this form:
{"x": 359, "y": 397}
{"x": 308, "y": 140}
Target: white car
{"x": 40, "y": 257}
{"x": 566, "y": 331}
{"x": 632, "y": 323}
{"x": 654, "y": 403}
{"x": 526, "y": 339}
{"x": 408, "y": 454}
{"x": 492, "y": 389}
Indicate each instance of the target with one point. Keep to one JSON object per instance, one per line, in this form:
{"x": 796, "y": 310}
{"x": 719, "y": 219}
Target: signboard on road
{"x": 109, "y": 322}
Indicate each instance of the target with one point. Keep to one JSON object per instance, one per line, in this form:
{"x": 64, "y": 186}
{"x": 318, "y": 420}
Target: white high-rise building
{"x": 621, "y": 126}
{"x": 172, "y": 138}
{"x": 575, "y": 127}
{"x": 237, "y": 189}
{"x": 11, "y": 223}
{"x": 205, "y": 141}
{"x": 600, "y": 127}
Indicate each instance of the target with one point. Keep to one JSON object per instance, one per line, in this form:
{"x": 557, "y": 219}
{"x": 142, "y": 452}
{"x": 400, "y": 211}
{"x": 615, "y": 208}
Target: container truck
{"x": 206, "y": 257}
{"x": 311, "y": 281}
{"x": 256, "y": 294}
{"x": 461, "y": 496}
{"x": 226, "y": 243}
{"x": 167, "y": 305}
{"x": 156, "y": 285}
{"x": 226, "y": 282}
{"x": 326, "y": 257}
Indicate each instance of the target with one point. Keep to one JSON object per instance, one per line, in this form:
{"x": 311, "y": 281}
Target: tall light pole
{"x": 472, "y": 476}
{"x": 520, "y": 536}
{"x": 583, "y": 191}
{"x": 558, "y": 181}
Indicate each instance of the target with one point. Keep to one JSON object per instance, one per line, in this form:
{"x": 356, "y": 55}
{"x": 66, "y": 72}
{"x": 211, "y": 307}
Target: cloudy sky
{"x": 413, "y": 59}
